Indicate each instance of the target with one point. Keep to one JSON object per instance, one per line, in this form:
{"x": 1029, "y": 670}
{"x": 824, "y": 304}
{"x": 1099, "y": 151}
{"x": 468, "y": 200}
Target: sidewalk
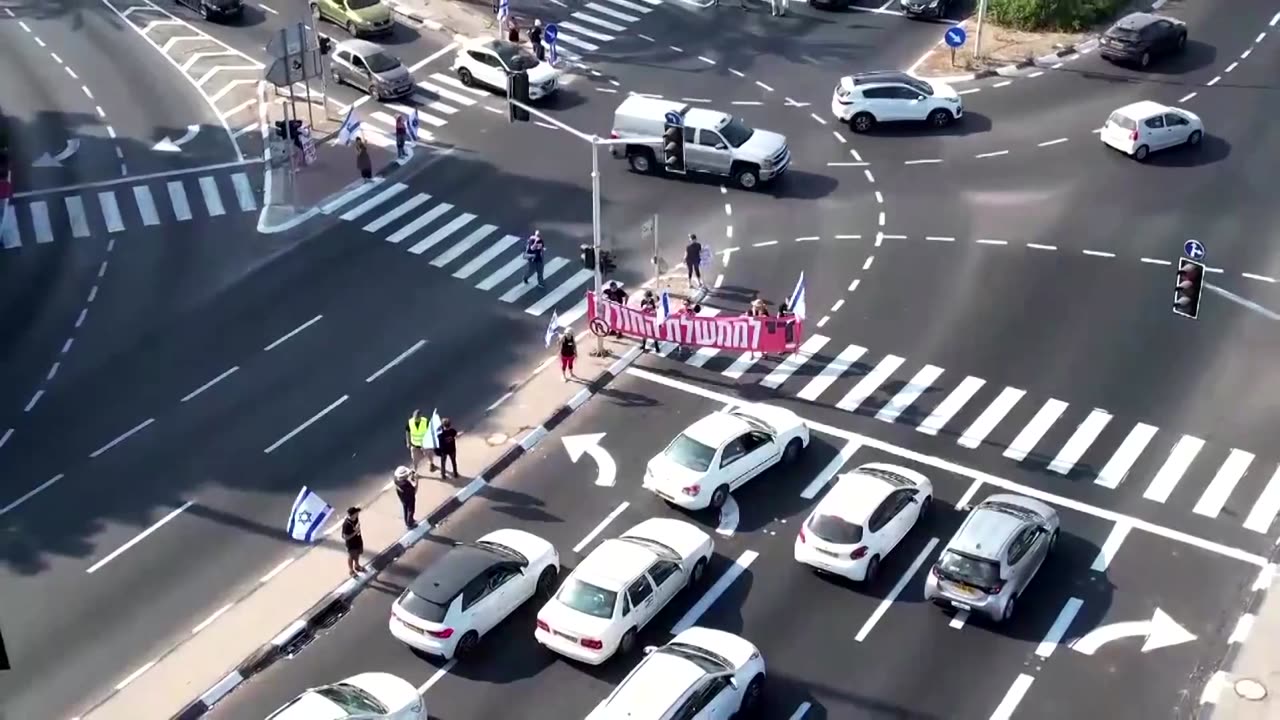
{"x": 1250, "y": 689}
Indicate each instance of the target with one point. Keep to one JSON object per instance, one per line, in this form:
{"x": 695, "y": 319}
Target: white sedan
{"x": 705, "y": 674}
{"x": 621, "y": 586}
{"x": 862, "y": 518}
{"x": 367, "y": 696}
{"x": 1141, "y": 128}
{"x": 490, "y": 62}
{"x": 722, "y": 451}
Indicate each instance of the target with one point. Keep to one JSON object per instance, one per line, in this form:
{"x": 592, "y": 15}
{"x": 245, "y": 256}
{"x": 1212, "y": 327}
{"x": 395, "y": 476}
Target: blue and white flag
{"x": 663, "y": 309}
{"x": 412, "y": 125}
{"x": 553, "y": 327}
{"x": 433, "y": 430}
{"x": 504, "y": 9}
{"x": 308, "y": 515}
{"x": 350, "y": 127}
{"x": 797, "y": 301}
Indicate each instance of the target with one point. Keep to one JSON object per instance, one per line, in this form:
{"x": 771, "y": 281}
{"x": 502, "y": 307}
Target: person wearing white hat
{"x": 406, "y": 482}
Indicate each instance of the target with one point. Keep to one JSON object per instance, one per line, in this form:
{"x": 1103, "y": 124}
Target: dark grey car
{"x": 364, "y": 65}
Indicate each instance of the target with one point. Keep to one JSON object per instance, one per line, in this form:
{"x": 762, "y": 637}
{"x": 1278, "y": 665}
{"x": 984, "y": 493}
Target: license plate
{"x": 566, "y": 636}
{"x": 960, "y": 605}
{"x": 964, "y": 590}
{"x": 827, "y": 553}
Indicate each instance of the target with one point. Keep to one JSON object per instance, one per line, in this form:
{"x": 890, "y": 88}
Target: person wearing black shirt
{"x": 648, "y": 306}
{"x": 447, "y": 440}
{"x": 615, "y": 293}
{"x": 406, "y": 482}
{"x": 354, "y": 540}
{"x": 535, "y": 40}
{"x": 693, "y": 259}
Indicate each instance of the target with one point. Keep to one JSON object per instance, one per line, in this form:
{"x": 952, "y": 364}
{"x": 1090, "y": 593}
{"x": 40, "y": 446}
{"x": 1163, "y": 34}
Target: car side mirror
{"x": 733, "y": 683}
{"x": 648, "y": 649}
{"x": 721, "y": 146}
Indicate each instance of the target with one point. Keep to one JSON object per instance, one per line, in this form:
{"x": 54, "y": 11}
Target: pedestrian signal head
{"x": 673, "y": 148}
{"x": 1187, "y": 288}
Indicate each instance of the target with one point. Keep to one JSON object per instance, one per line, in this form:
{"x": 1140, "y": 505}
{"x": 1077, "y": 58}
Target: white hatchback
{"x": 1141, "y": 128}
{"x": 863, "y": 517}
{"x": 620, "y": 587}
{"x": 367, "y": 696}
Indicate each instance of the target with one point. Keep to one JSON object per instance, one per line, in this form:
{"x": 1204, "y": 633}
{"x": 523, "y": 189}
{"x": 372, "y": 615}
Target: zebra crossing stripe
{"x": 1031, "y": 433}
{"x": 146, "y": 205}
{"x": 422, "y": 221}
{"x": 597, "y": 21}
{"x": 700, "y": 358}
{"x": 632, "y": 6}
{"x": 386, "y": 218}
{"x": 519, "y": 291}
{"x": 212, "y": 200}
{"x": 1114, "y": 472}
{"x": 501, "y": 273}
{"x": 75, "y": 213}
{"x": 1266, "y": 508}
{"x": 446, "y": 94}
{"x": 456, "y": 83}
{"x": 1080, "y": 441}
{"x": 40, "y": 221}
{"x": 612, "y": 13}
{"x": 1174, "y": 466}
{"x": 914, "y": 388}
{"x": 348, "y": 196}
{"x": 111, "y": 211}
{"x": 426, "y": 118}
{"x": 741, "y": 365}
{"x": 178, "y": 198}
{"x": 831, "y": 372}
{"x": 244, "y": 192}
{"x": 951, "y": 405}
{"x": 434, "y": 238}
{"x": 586, "y": 31}
{"x": 1215, "y": 496}
{"x": 810, "y": 347}
{"x": 483, "y": 258}
{"x": 654, "y": 3}
{"x": 563, "y": 289}
{"x": 374, "y": 201}
{"x": 869, "y": 383}
{"x": 589, "y": 47}
{"x": 990, "y": 417}
{"x": 9, "y": 229}
{"x": 467, "y": 243}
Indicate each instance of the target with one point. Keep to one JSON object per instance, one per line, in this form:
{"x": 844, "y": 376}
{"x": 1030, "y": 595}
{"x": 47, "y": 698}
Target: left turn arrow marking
{"x": 576, "y": 445}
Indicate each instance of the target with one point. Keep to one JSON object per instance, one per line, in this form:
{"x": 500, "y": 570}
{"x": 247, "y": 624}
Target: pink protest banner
{"x": 765, "y": 335}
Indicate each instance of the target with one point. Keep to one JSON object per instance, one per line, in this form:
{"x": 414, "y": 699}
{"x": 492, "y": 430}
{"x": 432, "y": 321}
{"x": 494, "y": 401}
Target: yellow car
{"x": 359, "y": 17}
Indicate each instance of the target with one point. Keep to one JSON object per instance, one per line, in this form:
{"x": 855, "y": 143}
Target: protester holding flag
{"x": 354, "y": 540}
{"x": 568, "y": 353}
{"x": 649, "y": 306}
{"x": 447, "y": 448}
{"x": 402, "y": 134}
{"x": 363, "y": 163}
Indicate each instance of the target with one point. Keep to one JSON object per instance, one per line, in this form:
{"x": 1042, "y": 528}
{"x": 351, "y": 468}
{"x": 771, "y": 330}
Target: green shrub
{"x": 1061, "y": 15}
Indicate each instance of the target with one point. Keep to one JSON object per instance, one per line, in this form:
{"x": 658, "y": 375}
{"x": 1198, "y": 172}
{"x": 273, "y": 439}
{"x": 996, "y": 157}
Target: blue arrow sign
{"x": 550, "y": 33}
{"x": 954, "y": 36}
{"x": 673, "y": 118}
{"x": 1194, "y": 249}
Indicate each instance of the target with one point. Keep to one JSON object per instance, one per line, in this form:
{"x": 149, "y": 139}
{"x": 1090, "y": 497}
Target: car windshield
{"x": 687, "y": 452}
{"x": 754, "y": 422}
{"x": 515, "y": 58}
{"x": 353, "y": 700}
{"x": 969, "y": 570}
{"x": 587, "y": 598}
{"x": 381, "y": 62}
{"x": 423, "y": 608}
{"x": 1122, "y": 121}
{"x": 835, "y": 529}
{"x": 736, "y": 132}
{"x": 504, "y": 550}
{"x": 920, "y": 86}
{"x": 361, "y": 4}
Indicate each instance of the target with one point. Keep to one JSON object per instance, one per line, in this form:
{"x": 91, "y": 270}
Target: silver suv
{"x": 993, "y": 556}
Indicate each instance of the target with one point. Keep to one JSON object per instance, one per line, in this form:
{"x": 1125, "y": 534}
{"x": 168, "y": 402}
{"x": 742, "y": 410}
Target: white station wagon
{"x": 722, "y": 451}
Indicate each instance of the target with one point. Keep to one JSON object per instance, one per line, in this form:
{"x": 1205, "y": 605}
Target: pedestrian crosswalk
{"x": 447, "y": 237}
{"x": 596, "y": 23}
{"x": 437, "y": 98}
{"x": 111, "y": 209}
{"x": 1050, "y": 434}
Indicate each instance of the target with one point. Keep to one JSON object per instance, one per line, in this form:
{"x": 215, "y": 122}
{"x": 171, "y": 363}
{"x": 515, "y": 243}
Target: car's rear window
{"x": 1122, "y": 121}
{"x": 690, "y": 453}
{"x": 969, "y": 570}
{"x": 1123, "y": 34}
{"x": 587, "y": 598}
{"x": 835, "y": 529}
{"x": 423, "y": 608}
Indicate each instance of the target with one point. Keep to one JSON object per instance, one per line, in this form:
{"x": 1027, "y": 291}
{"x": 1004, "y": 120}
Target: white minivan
{"x": 1141, "y": 128}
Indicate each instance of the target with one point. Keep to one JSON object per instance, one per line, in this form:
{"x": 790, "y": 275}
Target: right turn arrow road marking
{"x": 1160, "y": 631}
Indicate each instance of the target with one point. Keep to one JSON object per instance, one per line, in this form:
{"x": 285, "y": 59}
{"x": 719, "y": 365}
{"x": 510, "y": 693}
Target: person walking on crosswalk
{"x": 416, "y": 437}
{"x": 533, "y": 250}
{"x": 402, "y": 135}
{"x": 693, "y": 259}
{"x": 535, "y": 40}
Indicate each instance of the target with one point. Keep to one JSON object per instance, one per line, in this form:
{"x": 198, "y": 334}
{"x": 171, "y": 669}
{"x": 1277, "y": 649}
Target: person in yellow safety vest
{"x": 415, "y": 437}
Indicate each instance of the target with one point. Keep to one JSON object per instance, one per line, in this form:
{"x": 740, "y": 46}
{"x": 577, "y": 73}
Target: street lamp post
{"x": 977, "y": 35}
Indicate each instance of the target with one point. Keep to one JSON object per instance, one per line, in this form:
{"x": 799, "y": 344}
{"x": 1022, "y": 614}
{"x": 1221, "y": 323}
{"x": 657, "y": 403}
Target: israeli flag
{"x": 504, "y": 10}
{"x": 552, "y": 328}
{"x": 797, "y": 301}
{"x": 350, "y": 127}
{"x": 308, "y": 515}
{"x": 433, "y": 430}
{"x": 663, "y": 310}
{"x": 412, "y": 125}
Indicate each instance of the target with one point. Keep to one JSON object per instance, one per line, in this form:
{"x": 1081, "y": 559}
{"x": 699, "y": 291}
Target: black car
{"x": 1142, "y": 37}
{"x": 925, "y": 8}
{"x": 215, "y": 9}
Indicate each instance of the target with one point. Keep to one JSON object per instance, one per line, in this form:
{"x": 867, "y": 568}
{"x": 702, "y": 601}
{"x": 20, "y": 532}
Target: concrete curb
{"x": 6, "y": 182}
{"x": 1015, "y": 69}
{"x": 328, "y": 611}
{"x": 1224, "y": 676}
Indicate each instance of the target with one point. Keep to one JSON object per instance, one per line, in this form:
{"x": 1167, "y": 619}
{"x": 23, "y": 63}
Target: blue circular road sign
{"x": 550, "y": 33}
{"x": 1194, "y": 249}
{"x": 954, "y": 36}
{"x": 673, "y": 118}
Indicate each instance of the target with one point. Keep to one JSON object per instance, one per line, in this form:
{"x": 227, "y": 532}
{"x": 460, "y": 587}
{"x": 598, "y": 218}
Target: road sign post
{"x": 550, "y": 34}
{"x": 954, "y": 37}
{"x": 977, "y": 39}
{"x": 649, "y": 231}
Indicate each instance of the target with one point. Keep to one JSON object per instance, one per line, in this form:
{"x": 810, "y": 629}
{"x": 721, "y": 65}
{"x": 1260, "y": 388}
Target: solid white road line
{"x": 135, "y": 675}
{"x": 420, "y": 222}
{"x": 1080, "y": 441}
{"x": 1114, "y": 472}
{"x": 1266, "y": 508}
{"x": 210, "y": 620}
{"x": 30, "y": 493}
{"x": 810, "y": 347}
{"x": 1110, "y": 546}
{"x": 951, "y": 405}
{"x": 1058, "y": 630}
{"x": 824, "y": 477}
{"x": 595, "y": 532}
{"x": 306, "y": 424}
{"x": 396, "y": 361}
{"x": 874, "y": 379}
{"x": 121, "y": 438}
{"x": 1004, "y": 711}
{"x": 997, "y": 153}
{"x": 1044, "y": 418}
{"x": 276, "y": 571}
{"x": 1215, "y": 496}
{"x": 4, "y": 439}
{"x": 800, "y": 711}
{"x": 710, "y": 596}
{"x": 888, "y": 600}
{"x": 293, "y": 332}
{"x": 437, "y": 676}
{"x": 139, "y": 537}
{"x": 987, "y": 421}
{"x": 209, "y": 384}
{"x": 914, "y": 388}
{"x": 1174, "y": 466}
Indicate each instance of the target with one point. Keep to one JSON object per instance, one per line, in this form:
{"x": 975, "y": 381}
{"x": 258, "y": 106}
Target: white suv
{"x": 864, "y": 99}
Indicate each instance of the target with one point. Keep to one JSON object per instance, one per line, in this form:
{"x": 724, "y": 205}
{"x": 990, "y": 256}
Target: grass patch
{"x": 1052, "y": 15}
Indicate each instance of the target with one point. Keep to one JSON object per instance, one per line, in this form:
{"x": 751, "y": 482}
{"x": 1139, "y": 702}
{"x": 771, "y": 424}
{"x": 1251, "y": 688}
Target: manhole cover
{"x": 1250, "y": 689}
{"x": 497, "y": 439}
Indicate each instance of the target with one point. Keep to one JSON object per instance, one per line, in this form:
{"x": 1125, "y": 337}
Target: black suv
{"x": 216, "y": 9}
{"x": 1141, "y": 37}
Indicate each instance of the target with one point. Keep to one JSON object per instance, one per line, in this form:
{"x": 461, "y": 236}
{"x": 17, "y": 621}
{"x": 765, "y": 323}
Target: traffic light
{"x": 1187, "y": 290}
{"x": 588, "y": 257}
{"x": 607, "y": 262}
{"x": 518, "y": 89}
{"x": 673, "y": 148}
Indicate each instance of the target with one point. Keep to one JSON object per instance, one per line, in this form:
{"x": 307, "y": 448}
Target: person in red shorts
{"x": 568, "y": 353}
